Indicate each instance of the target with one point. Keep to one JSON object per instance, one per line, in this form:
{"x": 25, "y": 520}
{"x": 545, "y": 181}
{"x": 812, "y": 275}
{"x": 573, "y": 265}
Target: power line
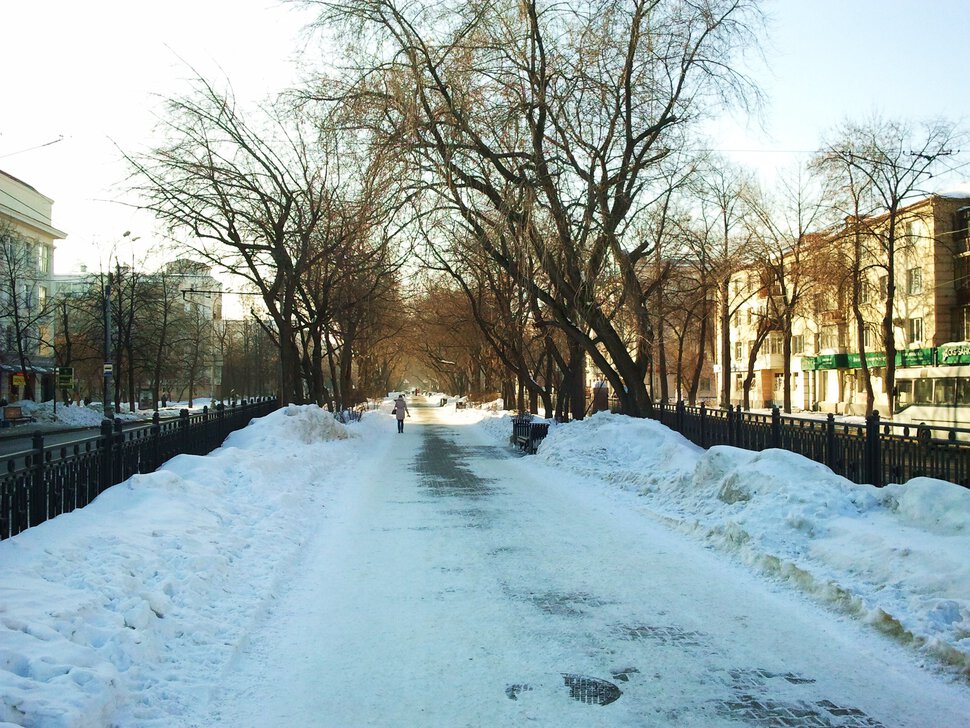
{"x": 30, "y": 149}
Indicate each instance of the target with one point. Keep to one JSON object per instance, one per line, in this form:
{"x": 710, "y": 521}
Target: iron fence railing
{"x": 44, "y": 482}
{"x": 875, "y": 452}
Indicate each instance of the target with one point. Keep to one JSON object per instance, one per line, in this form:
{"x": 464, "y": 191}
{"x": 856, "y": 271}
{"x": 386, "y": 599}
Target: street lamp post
{"x": 108, "y": 365}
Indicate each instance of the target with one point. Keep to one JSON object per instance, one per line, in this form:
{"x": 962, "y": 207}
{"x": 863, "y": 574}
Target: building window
{"x": 774, "y": 344}
{"x": 916, "y": 230}
{"x": 797, "y": 344}
{"x": 915, "y": 330}
{"x": 830, "y": 337}
{"x": 43, "y": 258}
{"x": 779, "y": 382}
{"x": 45, "y": 345}
{"x": 883, "y": 286}
{"x": 41, "y": 297}
{"x": 966, "y": 324}
{"x": 914, "y": 281}
{"x": 737, "y": 351}
{"x": 870, "y": 336}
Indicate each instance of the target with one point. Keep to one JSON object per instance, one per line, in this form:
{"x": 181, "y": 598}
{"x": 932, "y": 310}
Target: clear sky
{"x": 92, "y": 73}
{"x": 829, "y": 60}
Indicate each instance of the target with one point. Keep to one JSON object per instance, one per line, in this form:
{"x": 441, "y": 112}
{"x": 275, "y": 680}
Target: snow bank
{"x": 159, "y": 577}
{"x": 79, "y": 415}
{"x": 894, "y": 556}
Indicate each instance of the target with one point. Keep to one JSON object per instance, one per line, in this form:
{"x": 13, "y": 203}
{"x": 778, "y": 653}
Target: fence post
{"x": 830, "y": 456}
{"x": 739, "y": 424}
{"x": 873, "y": 455}
{"x": 680, "y": 416}
{"x": 703, "y": 426}
{"x": 775, "y": 427}
{"x": 37, "y": 504}
{"x": 119, "y": 456}
{"x": 106, "y": 442}
{"x": 184, "y": 430}
{"x": 156, "y": 440}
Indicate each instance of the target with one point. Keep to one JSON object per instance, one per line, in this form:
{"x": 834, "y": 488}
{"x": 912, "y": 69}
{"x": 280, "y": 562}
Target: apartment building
{"x": 930, "y": 268}
{"x": 26, "y": 262}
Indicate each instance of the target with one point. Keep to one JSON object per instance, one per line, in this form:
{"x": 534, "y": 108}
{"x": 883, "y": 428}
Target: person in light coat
{"x": 400, "y": 410}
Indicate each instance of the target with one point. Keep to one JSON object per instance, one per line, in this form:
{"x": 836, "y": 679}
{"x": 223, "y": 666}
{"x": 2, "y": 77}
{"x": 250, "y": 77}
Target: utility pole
{"x": 108, "y": 364}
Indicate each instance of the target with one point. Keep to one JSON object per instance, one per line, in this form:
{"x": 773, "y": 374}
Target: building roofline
{"x": 25, "y": 184}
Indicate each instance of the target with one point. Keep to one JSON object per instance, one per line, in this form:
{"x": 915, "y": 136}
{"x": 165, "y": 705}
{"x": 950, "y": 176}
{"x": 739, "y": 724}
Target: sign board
{"x": 65, "y": 377}
{"x": 955, "y": 353}
{"x": 108, "y": 368}
{"x": 832, "y": 361}
{"x": 19, "y": 380}
{"x": 873, "y": 359}
{"x": 915, "y": 358}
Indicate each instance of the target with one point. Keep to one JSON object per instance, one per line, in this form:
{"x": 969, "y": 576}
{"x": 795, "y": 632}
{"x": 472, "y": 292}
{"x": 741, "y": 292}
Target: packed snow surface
{"x": 142, "y": 608}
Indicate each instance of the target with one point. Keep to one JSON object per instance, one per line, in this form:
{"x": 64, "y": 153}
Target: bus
{"x": 938, "y": 396}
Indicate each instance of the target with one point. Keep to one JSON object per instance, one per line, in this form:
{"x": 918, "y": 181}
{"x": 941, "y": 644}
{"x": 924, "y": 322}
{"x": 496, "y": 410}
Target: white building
{"x": 26, "y": 334}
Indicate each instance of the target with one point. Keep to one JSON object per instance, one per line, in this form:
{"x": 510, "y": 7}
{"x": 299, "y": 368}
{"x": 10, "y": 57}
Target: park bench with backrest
{"x": 527, "y": 434}
{"x": 13, "y": 414}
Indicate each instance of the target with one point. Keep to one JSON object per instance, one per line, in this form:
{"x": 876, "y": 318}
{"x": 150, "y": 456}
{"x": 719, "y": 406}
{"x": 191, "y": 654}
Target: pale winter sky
{"x": 92, "y": 74}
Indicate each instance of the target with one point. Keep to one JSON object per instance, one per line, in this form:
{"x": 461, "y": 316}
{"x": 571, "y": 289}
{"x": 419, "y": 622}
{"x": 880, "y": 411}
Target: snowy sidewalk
{"x": 458, "y": 584}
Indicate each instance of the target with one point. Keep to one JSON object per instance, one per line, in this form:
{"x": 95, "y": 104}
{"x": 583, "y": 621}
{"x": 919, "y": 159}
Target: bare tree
{"x": 794, "y": 259}
{"x": 723, "y": 234}
{"x": 541, "y": 128}
{"x": 251, "y": 200}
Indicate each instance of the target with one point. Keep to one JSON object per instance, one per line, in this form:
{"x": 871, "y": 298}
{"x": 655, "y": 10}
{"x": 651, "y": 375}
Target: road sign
{"x": 108, "y": 367}
{"x": 65, "y": 377}
{"x": 19, "y": 380}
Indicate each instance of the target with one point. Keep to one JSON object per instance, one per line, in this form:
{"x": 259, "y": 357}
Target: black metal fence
{"x": 47, "y": 481}
{"x": 876, "y": 452}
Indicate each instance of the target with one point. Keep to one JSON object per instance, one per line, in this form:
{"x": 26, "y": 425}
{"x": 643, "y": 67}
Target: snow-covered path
{"x": 456, "y": 584}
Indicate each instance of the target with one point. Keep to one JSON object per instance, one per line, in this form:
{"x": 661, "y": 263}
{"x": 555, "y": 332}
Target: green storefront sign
{"x": 874, "y": 359}
{"x": 958, "y": 353}
{"x": 829, "y": 361}
{"x": 915, "y": 358}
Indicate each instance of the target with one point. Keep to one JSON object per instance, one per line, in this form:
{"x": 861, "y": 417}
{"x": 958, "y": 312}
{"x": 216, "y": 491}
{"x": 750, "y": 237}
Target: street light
{"x": 108, "y": 366}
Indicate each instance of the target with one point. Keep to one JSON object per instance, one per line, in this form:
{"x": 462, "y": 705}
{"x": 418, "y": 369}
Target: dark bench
{"x": 527, "y": 434}
{"x": 14, "y": 415}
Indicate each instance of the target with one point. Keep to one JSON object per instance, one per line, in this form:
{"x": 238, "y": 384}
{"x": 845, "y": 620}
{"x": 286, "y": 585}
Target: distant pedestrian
{"x": 400, "y": 410}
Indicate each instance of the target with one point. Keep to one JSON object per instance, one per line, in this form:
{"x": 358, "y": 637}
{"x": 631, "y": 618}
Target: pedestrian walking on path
{"x": 400, "y": 410}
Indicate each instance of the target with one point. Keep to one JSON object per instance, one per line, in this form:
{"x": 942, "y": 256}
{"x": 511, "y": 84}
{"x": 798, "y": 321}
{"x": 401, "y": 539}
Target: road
{"x": 467, "y": 586}
{"x": 18, "y": 443}
{"x": 19, "y": 439}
